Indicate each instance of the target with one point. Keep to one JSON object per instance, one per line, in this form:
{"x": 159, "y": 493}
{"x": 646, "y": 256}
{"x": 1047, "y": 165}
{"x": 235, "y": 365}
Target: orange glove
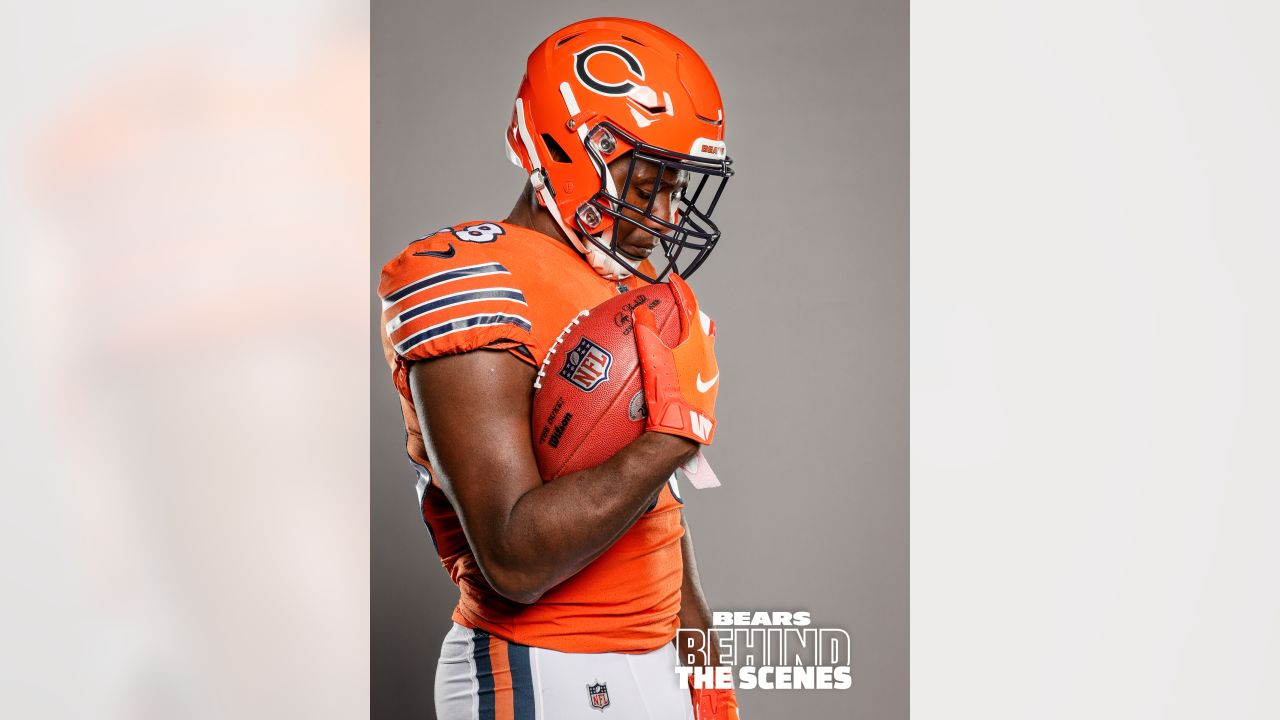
{"x": 680, "y": 383}
{"x": 714, "y": 704}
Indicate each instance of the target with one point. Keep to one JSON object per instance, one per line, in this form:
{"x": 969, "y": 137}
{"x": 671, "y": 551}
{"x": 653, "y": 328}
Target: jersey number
{"x": 482, "y": 233}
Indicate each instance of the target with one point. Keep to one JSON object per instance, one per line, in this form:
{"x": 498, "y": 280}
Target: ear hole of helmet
{"x": 557, "y": 153}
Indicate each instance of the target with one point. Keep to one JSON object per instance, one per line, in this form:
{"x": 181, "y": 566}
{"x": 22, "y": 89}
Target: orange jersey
{"x": 503, "y": 287}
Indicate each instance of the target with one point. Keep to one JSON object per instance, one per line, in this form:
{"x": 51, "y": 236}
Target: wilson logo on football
{"x": 587, "y": 365}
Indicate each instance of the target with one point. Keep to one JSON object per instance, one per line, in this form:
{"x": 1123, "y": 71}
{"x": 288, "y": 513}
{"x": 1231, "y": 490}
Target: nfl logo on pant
{"x": 599, "y": 694}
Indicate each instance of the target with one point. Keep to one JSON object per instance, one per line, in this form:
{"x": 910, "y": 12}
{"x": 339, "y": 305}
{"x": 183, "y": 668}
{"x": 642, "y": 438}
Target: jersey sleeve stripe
{"x": 458, "y": 298}
{"x": 443, "y": 277}
{"x": 460, "y": 324}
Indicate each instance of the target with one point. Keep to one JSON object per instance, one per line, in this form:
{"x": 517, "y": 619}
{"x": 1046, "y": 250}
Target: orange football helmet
{"x": 599, "y": 89}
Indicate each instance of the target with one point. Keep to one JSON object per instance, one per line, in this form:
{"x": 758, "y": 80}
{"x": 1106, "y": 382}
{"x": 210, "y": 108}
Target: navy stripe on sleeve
{"x": 453, "y": 326}
{"x": 444, "y": 277}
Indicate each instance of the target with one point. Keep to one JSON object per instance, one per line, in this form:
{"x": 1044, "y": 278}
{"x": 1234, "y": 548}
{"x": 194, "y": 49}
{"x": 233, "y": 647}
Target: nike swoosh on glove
{"x": 680, "y": 383}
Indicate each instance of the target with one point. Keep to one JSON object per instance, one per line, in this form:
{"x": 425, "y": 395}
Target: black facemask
{"x": 686, "y": 242}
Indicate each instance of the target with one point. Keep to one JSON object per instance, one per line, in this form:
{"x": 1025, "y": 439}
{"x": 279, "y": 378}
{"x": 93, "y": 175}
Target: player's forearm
{"x": 557, "y": 529}
{"x": 695, "y": 614}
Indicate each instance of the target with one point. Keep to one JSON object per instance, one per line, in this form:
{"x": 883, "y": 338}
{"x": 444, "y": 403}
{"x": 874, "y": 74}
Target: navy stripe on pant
{"x": 521, "y": 681}
{"x": 484, "y": 674}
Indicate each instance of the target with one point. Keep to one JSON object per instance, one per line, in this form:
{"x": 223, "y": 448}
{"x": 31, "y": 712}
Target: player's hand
{"x": 680, "y": 383}
{"x": 714, "y": 704}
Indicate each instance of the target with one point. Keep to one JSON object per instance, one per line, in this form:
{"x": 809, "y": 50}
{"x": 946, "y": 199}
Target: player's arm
{"x": 528, "y": 536}
{"x": 695, "y": 614}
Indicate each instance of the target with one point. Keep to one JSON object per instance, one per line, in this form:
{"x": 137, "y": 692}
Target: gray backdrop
{"x": 808, "y": 288}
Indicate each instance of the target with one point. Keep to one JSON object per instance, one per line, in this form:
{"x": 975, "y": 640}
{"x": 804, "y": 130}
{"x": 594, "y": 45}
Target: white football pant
{"x": 480, "y": 677}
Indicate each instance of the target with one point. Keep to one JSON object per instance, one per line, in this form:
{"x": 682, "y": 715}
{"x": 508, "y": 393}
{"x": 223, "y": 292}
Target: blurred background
{"x": 185, "y": 194}
{"x": 808, "y": 289}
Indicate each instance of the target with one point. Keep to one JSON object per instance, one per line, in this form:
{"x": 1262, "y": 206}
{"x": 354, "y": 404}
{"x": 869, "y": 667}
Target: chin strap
{"x": 601, "y": 261}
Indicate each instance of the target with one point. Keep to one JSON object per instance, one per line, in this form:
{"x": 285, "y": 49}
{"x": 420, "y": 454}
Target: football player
{"x": 571, "y": 590}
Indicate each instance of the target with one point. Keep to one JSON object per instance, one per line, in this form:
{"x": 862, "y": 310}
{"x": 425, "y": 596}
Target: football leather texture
{"x": 588, "y": 402}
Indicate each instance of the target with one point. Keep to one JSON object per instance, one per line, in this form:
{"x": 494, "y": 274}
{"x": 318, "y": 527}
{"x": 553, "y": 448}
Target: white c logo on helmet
{"x": 594, "y": 83}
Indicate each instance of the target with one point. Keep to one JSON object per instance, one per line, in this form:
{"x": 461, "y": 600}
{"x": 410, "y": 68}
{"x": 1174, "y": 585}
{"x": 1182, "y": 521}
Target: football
{"x": 588, "y": 402}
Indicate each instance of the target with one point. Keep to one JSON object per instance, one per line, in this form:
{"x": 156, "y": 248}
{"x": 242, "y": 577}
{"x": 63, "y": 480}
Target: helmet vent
{"x": 557, "y": 153}
{"x": 566, "y": 39}
{"x": 652, "y": 109}
{"x": 628, "y": 39}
